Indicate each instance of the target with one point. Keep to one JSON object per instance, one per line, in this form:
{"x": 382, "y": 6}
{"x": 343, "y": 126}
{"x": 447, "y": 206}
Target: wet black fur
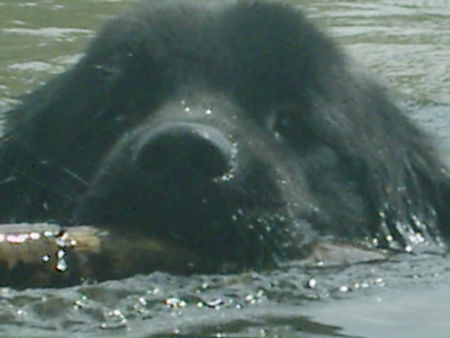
{"x": 303, "y": 145}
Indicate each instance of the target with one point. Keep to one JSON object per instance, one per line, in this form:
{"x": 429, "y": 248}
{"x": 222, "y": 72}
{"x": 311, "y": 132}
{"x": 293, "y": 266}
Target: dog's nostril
{"x": 185, "y": 151}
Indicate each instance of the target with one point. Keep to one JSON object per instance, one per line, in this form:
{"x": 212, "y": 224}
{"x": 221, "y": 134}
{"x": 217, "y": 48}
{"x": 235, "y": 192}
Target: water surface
{"x": 404, "y": 42}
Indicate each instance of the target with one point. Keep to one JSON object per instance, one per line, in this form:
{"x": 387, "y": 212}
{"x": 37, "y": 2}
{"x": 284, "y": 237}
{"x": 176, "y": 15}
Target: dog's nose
{"x": 187, "y": 150}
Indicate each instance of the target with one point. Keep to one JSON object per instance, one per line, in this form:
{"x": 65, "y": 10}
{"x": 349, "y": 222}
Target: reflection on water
{"x": 405, "y": 42}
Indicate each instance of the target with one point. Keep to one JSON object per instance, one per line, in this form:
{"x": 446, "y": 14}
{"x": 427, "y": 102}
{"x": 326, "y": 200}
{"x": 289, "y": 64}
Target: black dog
{"x": 236, "y": 130}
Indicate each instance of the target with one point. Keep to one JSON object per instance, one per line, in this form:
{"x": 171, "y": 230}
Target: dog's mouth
{"x": 229, "y": 236}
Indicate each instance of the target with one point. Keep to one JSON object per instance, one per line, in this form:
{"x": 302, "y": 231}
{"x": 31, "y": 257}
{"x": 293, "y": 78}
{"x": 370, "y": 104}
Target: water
{"x": 406, "y": 43}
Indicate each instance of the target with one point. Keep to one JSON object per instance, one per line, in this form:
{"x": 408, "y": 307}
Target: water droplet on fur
{"x": 417, "y": 238}
{"x": 224, "y": 178}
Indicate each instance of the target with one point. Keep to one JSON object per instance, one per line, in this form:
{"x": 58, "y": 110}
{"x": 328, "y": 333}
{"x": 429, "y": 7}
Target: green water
{"x": 404, "y": 42}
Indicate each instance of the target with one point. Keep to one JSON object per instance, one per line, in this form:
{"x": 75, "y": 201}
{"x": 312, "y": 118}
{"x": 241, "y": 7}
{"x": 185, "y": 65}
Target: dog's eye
{"x": 284, "y": 122}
